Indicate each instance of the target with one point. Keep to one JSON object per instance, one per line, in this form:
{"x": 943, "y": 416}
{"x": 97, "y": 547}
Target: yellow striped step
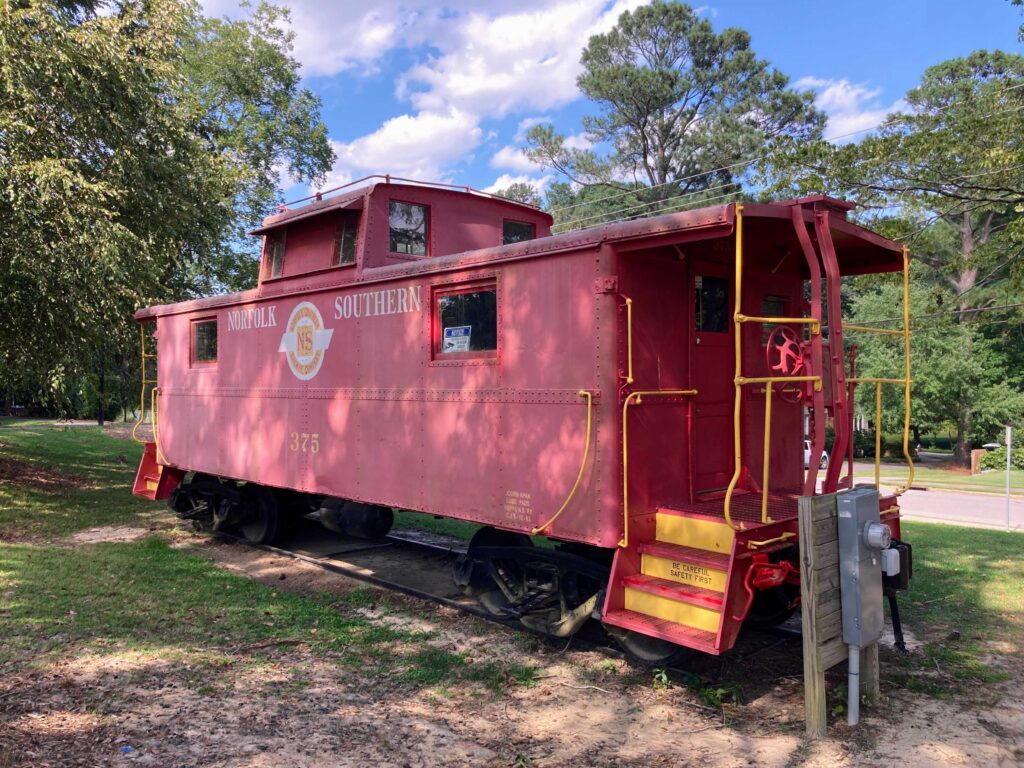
{"x": 667, "y": 600}
{"x": 712, "y": 534}
{"x": 685, "y": 565}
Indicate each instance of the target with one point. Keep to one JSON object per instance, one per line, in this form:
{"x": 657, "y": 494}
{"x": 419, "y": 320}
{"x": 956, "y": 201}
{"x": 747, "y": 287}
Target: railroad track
{"x": 419, "y": 564}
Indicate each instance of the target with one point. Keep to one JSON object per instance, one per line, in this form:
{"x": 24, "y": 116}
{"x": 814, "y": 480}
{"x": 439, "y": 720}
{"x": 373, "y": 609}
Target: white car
{"x": 823, "y": 464}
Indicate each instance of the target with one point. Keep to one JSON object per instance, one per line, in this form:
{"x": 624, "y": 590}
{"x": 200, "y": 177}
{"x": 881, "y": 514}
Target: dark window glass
{"x": 771, "y": 306}
{"x": 275, "y": 255}
{"x": 711, "y": 304}
{"x": 410, "y": 228}
{"x": 345, "y": 240}
{"x": 468, "y": 321}
{"x": 517, "y": 232}
{"x": 204, "y": 341}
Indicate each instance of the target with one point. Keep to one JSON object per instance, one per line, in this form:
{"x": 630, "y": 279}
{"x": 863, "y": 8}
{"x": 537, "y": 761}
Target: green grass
{"x": 97, "y": 470}
{"x": 423, "y": 522}
{"x": 967, "y": 594}
{"x": 988, "y": 482}
{"x": 57, "y": 601}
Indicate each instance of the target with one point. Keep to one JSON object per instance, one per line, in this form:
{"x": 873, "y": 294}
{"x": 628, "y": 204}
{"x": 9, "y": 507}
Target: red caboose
{"x": 637, "y": 392}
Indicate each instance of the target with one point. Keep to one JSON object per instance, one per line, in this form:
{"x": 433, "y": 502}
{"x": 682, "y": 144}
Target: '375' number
{"x": 304, "y": 442}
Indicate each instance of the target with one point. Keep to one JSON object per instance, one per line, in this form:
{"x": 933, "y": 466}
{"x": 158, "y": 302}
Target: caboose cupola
{"x": 386, "y": 223}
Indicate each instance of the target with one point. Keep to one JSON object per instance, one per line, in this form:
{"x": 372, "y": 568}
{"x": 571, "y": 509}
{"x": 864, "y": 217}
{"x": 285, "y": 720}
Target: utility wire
{"x": 832, "y": 139}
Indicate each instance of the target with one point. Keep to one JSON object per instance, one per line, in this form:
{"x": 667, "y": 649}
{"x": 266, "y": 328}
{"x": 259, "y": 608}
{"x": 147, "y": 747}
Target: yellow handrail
{"x": 143, "y": 357}
{"x": 737, "y": 385}
{"x": 866, "y": 329}
{"x": 583, "y": 464}
{"x": 624, "y": 542}
{"x": 906, "y": 371}
{"x": 811, "y": 321}
{"x": 878, "y": 435}
{"x": 767, "y": 446}
{"x": 153, "y": 395}
{"x": 784, "y": 537}
{"x": 906, "y": 381}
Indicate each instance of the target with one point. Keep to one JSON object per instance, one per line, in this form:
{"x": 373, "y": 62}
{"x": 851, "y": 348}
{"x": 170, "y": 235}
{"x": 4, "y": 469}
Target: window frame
{"x": 341, "y": 228}
{"x": 531, "y": 225}
{"x": 456, "y": 288}
{"x": 697, "y": 306}
{"x": 428, "y": 238}
{"x": 193, "y": 327}
{"x": 270, "y": 243}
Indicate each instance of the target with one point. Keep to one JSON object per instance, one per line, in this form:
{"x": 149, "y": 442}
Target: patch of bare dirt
{"x": 34, "y": 477}
{"x": 286, "y": 706}
{"x": 109, "y": 533}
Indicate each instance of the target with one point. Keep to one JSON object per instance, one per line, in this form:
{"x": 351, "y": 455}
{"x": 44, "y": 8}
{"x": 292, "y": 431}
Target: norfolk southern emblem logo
{"x": 305, "y": 340}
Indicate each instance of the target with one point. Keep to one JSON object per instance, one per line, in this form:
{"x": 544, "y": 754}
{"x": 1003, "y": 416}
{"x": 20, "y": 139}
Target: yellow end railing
{"x": 906, "y": 381}
{"x": 146, "y": 381}
{"x": 740, "y": 381}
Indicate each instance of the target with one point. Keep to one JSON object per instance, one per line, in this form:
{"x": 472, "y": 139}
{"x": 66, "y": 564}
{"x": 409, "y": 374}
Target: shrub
{"x": 997, "y": 459}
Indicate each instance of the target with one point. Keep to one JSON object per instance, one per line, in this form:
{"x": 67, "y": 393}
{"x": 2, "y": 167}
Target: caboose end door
{"x": 711, "y": 373}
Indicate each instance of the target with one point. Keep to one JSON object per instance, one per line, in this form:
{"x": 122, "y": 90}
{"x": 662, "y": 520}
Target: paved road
{"x": 981, "y": 510}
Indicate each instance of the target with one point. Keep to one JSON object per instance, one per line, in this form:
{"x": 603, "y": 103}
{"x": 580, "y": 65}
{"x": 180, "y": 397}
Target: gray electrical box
{"x": 861, "y": 541}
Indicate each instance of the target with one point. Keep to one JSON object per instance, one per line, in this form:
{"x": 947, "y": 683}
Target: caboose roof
{"x": 859, "y": 250}
{"x": 353, "y": 197}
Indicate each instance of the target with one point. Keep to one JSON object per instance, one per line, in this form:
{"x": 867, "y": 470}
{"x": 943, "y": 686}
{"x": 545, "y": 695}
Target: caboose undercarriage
{"x": 622, "y": 410}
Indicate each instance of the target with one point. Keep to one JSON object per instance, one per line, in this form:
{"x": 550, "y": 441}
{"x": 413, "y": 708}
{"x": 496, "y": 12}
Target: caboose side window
{"x": 345, "y": 239}
{"x": 711, "y": 304}
{"x": 466, "y": 322}
{"x": 517, "y": 231}
{"x": 772, "y": 306}
{"x": 204, "y": 341}
{"x": 409, "y": 227}
{"x": 275, "y": 255}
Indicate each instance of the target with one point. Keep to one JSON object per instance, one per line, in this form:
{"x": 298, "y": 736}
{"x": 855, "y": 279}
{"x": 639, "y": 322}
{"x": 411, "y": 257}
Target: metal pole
{"x": 1009, "y": 464}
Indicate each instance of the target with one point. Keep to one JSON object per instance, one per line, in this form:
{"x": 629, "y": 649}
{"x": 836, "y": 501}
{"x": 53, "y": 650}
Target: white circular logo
{"x": 305, "y": 340}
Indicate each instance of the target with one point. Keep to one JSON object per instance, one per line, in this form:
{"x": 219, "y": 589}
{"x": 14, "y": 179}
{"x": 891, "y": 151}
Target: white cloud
{"x": 417, "y": 146}
{"x": 852, "y": 108}
{"x": 578, "y": 141}
{"x": 513, "y": 158}
{"x": 506, "y": 180}
{"x": 495, "y": 64}
{"x": 526, "y": 124}
{"x": 483, "y": 63}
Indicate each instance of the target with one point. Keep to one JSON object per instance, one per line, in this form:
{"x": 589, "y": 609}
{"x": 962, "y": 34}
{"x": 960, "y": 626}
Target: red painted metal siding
{"x": 327, "y": 381}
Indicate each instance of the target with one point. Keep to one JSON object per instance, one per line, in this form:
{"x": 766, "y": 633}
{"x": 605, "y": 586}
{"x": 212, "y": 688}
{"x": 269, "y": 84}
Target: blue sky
{"x": 443, "y": 91}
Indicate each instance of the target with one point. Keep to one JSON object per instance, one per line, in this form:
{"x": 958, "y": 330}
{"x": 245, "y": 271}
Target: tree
{"x": 681, "y": 107}
{"x": 130, "y": 160}
{"x": 521, "y": 193}
{"x": 963, "y": 372}
{"x": 955, "y": 151}
{"x": 952, "y": 165}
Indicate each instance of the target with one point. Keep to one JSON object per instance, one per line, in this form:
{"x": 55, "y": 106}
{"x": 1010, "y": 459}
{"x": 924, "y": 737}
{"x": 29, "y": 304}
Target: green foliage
{"x": 134, "y": 148}
{"x": 997, "y": 459}
{"x": 660, "y": 679}
{"x": 962, "y": 376}
{"x": 520, "y": 193}
{"x": 676, "y": 100}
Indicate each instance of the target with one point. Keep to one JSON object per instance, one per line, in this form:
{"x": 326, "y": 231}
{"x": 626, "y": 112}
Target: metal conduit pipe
{"x": 853, "y": 687}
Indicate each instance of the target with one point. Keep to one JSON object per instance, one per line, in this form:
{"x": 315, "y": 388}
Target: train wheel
{"x": 483, "y": 586}
{"x": 650, "y": 651}
{"x": 772, "y": 607}
{"x": 262, "y": 520}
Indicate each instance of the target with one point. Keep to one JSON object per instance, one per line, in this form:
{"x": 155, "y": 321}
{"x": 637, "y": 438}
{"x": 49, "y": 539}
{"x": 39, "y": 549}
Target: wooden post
{"x": 869, "y": 673}
{"x": 821, "y": 608}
